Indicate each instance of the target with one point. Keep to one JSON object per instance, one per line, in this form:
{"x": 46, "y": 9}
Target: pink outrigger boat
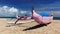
{"x": 42, "y": 19}
{"x": 38, "y": 18}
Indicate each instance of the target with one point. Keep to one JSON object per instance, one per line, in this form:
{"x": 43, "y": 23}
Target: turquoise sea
{"x": 13, "y": 18}
{"x": 9, "y": 18}
{"x": 56, "y": 18}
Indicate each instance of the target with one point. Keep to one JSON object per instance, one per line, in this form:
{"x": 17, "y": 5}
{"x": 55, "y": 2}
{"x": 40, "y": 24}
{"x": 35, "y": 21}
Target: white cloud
{"x": 13, "y": 9}
{"x": 6, "y": 11}
{"x": 23, "y": 12}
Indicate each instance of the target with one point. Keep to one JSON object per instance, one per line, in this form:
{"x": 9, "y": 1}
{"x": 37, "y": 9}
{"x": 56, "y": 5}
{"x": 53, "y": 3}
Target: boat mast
{"x": 32, "y": 11}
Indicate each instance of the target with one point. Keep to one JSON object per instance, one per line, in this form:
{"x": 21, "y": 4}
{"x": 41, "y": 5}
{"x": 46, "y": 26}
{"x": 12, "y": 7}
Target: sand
{"x": 52, "y": 28}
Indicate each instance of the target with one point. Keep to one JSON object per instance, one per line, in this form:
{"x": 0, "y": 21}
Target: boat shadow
{"x": 18, "y": 24}
{"x": 35, "y": 27}
{"x": 12, "y": 24}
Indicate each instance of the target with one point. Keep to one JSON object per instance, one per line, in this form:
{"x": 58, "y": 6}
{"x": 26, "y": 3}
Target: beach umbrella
{"x": 43, "y": 13}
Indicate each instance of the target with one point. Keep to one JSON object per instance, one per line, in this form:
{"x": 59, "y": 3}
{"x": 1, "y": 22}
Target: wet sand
{"x": 29, "y": 28}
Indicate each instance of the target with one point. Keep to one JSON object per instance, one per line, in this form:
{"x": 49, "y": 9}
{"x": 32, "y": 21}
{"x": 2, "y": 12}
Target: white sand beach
{"x": 52, "y": 28}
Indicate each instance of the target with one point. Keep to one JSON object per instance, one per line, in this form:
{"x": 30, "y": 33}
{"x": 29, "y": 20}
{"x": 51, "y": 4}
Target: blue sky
{"x": 9, "y": 8}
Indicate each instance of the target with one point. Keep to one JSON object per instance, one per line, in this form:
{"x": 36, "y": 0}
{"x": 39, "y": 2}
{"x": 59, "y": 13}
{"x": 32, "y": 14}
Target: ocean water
{"x": 9, "y": 18}
{"x": 56, "y": 18}
{"x": 13, "y": 18}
